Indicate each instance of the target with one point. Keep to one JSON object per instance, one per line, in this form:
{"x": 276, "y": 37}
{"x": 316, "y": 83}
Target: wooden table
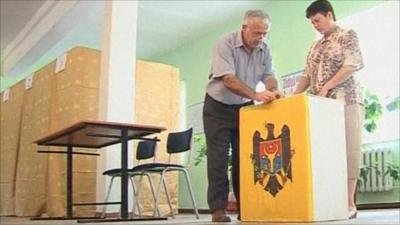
{"x": 98, "y": 134}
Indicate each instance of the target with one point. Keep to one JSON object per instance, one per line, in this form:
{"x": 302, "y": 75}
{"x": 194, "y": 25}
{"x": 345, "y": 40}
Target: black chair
{"x": 177, "y": 142}
{"x": 145, "y": 150}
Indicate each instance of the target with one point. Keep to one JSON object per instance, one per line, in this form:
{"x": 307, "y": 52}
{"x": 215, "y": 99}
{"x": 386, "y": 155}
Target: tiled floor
{"x": 381, "y": 217}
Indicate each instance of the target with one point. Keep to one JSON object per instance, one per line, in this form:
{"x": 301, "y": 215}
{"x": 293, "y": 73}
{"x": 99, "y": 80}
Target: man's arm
{"x": 238, "y": 87}
{"x": 302, "y": 85}
{"x": 271, "y": 84}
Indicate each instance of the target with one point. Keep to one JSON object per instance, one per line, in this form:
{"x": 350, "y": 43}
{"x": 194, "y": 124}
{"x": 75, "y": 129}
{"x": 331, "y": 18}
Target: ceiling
{"x": 13, "y": 17}
{"x": 162, "y": 26}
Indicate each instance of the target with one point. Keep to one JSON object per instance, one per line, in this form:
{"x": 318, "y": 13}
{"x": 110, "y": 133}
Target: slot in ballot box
{"x": 293, "y": 160}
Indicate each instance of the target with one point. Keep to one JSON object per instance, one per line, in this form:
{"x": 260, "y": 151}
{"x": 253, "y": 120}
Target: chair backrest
{"x": 178, "y": 142}
{"x": 146, "y": 149}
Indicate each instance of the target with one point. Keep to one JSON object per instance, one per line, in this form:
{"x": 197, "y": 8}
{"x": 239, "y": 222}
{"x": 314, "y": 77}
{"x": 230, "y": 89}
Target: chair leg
{"x": 191, "y": 193}
{"x": 136, "y": 199}
{"x": 168, "y": 198}
{"x": 103, "y": 214}
{"x": 153, "y": 193}
{"x": 158, "y": 193}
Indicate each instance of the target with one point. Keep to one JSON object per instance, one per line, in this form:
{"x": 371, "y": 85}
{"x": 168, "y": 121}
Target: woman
{"x": 331, "y": 64}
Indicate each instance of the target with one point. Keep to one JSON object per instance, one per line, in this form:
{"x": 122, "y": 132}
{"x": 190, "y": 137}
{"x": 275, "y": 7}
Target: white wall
{"x": 378, "y": 33}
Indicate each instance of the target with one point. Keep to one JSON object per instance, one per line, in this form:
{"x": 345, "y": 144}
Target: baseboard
{"x": 110, "y": 214}
{"x": 390, "y": 205}
{"x": 186, "y": 211}
{"x": 201, "y": 211}
{"x": 359, "y": 206}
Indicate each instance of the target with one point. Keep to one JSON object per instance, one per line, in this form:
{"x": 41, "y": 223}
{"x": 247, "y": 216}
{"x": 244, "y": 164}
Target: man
{"x": 240, "y": 61}
{"x": 330, "y": 68}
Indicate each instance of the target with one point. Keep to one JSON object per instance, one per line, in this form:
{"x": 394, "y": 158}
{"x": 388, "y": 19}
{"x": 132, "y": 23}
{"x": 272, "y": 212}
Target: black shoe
{"x": 220, "y": 216}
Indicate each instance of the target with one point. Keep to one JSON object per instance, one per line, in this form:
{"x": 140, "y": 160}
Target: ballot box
{"x": 293, "y": 160}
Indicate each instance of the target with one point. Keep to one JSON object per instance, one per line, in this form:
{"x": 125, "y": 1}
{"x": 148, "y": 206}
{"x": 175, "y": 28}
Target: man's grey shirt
{"x": 230, "y": 57}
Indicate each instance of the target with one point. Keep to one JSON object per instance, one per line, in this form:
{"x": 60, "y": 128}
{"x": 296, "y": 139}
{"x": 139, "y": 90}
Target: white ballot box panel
{"x": 328, "y": 157}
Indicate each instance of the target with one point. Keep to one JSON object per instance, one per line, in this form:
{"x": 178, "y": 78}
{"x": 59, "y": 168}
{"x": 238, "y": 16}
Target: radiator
{"x": 376, "y": 180}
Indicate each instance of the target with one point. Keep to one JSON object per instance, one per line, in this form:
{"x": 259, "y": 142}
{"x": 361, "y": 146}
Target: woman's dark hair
{"x": 320, "y": 6}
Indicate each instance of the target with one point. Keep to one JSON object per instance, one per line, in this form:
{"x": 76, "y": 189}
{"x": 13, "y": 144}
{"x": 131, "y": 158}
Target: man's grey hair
{"x": 256, "y": 13}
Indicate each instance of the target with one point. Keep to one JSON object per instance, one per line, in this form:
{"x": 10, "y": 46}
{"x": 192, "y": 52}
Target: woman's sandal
{"x": 352, "y": 214}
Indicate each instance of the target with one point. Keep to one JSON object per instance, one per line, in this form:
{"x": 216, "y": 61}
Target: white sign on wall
{"x": 6, "y": 94}
{"x": 60, "y": 63}
{"x": 28, "y": 82}
{"x": 289, "y": 82}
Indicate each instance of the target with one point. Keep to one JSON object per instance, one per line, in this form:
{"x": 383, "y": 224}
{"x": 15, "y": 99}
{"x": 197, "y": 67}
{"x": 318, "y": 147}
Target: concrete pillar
{"x": 117, "y": 84}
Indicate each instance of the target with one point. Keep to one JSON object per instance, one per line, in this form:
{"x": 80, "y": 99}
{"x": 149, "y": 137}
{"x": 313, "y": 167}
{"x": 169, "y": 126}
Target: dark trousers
{"x": 221, "y": 128}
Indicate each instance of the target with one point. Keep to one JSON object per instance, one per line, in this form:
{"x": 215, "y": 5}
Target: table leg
{"x": 124, "y": 174}
{"x": 69, "y": 201}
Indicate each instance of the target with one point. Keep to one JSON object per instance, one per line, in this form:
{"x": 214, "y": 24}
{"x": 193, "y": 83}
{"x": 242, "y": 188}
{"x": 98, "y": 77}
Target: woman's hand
{"x": 323, "y": 92}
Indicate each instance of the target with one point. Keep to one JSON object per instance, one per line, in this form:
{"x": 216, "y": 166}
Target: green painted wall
{"x": 290, "y": 38}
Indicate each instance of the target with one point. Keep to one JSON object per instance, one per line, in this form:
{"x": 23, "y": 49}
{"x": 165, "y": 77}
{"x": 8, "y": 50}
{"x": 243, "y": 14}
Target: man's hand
{"x": 271, "y": 86}
{"x": 279, "y": 94}
{"x": 238, "y": 87}
{"x": 264, "y": 96}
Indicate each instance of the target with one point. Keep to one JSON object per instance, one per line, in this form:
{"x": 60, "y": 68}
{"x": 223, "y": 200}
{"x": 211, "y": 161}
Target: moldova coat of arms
{"x": 272, "y": 159}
